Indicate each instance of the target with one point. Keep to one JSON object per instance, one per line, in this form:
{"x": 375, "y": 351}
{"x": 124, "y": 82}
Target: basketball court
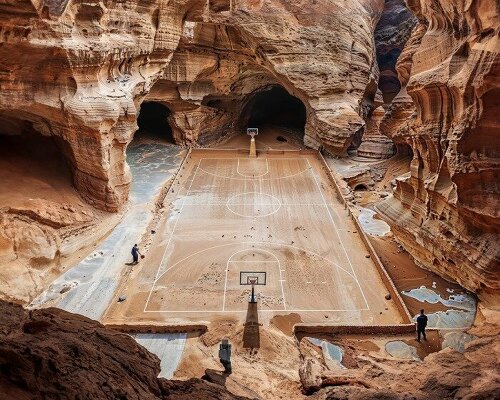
{"x": 272, "y": 222}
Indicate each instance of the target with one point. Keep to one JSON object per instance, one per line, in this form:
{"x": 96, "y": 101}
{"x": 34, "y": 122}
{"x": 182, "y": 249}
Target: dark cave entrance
{"x": 153, "y": 123}
{"x": 33, "y": 165}
{"x": 360, "y": 187}
{"x": 274, "y": 106}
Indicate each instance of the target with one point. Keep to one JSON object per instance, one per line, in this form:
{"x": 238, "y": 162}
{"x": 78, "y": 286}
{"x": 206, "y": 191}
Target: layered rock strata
{"x": 51, "y": 354}
{"x": 446, "y": 210}
{"x": 374, "y": 144}
{"x": 79, "y": 71}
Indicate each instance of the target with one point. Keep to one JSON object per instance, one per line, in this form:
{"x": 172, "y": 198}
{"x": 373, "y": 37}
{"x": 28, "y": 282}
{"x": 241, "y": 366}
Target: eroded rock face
{"x": 51, "y": 353}
{"x": 446, "y": 210}
{"x": 310, "y": 49}
{"x": 79, "y": 71}
{"x": 374, "y": 144}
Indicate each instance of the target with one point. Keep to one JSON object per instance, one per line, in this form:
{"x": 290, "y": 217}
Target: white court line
{"x": 251, "y": 261}
{"x": 260, "y": 158}
{"x": 259, "y": 243}
{"x": 244, "y": 311}
{"x": 335, "y": 229}
{"x": 253, "y": 216}
{"x": 171, "y": 235}
{"x": 258, "y": 204}
{"x": 250, "y": 179}
{"x": 266, "y": 243}
{"x": 253, "y": 243}
{"x": 253, "y": 176}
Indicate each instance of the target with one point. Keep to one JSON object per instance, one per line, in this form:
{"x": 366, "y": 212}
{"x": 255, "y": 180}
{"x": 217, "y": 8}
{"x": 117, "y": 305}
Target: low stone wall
{"x": 389, "y": 284}
{"x": 149, "y": 328}
{"x": 311, "y": 329}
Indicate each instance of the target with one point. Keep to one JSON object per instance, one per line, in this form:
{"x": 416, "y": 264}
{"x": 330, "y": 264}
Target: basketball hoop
{"x": 252, "y": 132}
{"x": 253, "y": 279}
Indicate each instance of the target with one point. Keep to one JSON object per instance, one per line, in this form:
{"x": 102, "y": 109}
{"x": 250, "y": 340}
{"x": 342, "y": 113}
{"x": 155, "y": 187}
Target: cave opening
{"x": 404, "y": 150}
{"x": 360, "y": 187}
{"x": 33, "y": 165}
{"x": 153, "y": 123}
{"x": 275, "y": 107}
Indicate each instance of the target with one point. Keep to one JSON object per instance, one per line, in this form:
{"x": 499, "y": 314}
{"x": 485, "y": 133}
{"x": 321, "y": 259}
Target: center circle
{"x": 253, "y": 204}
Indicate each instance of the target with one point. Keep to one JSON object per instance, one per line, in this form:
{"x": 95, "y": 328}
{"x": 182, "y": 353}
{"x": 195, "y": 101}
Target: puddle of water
{"x": 460, "y": 315}
{"x": 457, "y": 340}
{"x": 401, "y": 350}
{"x": 372, "y": 226}
{"x": 331, "y": 352}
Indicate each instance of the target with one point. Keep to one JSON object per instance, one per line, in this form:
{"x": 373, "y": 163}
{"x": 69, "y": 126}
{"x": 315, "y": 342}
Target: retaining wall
{"x": 148, "y": 328}
{"x": 312, "y": 329}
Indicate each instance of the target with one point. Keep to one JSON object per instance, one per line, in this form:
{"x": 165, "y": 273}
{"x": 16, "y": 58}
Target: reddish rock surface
{"x": 79, "y": 71}
{"x": 446, "y": 211}
{"x": 76, "y": 75}
{"x": 53, "y": 354}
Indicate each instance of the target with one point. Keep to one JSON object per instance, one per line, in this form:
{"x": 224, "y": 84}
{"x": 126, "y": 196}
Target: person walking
{"x": 135, "y": 254}
{"x": 225, "y": 355}
{"x": 421, "y": 324}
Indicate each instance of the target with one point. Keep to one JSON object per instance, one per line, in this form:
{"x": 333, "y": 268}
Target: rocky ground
{"x": 54, "y": 354}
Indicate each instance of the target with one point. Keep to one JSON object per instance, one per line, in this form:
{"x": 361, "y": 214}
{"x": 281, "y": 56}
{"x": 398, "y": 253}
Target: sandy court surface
{"x": 275, "y": 214}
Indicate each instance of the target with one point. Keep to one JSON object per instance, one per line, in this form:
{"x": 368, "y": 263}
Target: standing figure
{"x": 135, "y": 254}
{"x": 225, "y": 355}
{"x": 421, "y": 324}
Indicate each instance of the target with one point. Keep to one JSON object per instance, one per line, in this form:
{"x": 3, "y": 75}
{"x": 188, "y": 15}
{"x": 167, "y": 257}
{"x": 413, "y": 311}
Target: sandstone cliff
{"x": 446, "y": 211}
{"x": 75, "y": 73}
{"x": 78, "y": 71}
{"x": 392, "y": 32}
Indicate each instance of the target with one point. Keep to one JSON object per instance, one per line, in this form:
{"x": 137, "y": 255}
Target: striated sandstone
{"x": 374, "y": 144}
{"x": 77, "y": 72}
{"x": 87, "y": 66}
{"x": 446, "y": 210}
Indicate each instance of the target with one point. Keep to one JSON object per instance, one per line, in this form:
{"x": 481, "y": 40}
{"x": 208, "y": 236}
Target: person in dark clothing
{"x": 135, "y": 253}
{"x": 225, "y": 355}
{"x": 421, "y": 324}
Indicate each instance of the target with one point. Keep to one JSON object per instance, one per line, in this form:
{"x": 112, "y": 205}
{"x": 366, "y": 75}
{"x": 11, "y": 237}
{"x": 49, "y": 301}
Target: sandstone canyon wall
{"x": 79, "y": 70}
{"x": 391, "y": 34}
{"x": 76, "y": 72}
{"x": 445, "y": 211}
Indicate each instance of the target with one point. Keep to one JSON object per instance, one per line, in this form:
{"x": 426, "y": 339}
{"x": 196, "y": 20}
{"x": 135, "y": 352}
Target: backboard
{"x": 252, "y": 278}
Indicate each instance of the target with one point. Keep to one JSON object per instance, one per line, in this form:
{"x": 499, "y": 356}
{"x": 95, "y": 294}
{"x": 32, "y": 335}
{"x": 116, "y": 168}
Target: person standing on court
{"x": 225, "y": 355}
{"x": 135, "y": 254}
{"x": 421, "y": 324}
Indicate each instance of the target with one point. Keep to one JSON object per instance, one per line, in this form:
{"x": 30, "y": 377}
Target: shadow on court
{"x": 251, "y": 332}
